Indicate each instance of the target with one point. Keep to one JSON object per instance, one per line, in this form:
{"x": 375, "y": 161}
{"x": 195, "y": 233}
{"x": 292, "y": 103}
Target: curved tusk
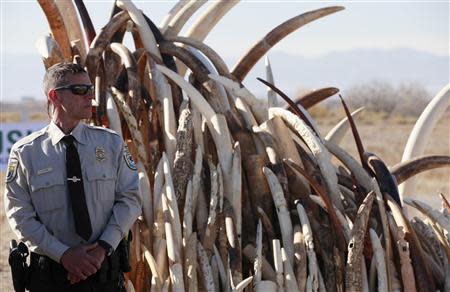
{"x": 57, "y": 27}
{"x": 134, "y": 89}
{"x": 407, "y": 169}
{"x": 146, "y": 34}
{"x": 383, "y": 176}
{"x": 243, "y": 284}
{"x": 73, "y": 27}
{"x": 238, "y": 90}
{"x": 113, "y": 115}
{"x": 102, "y": 40}
{"x": 314, "y": 97}
{"x": 212, "y": 55}
{"x": 298, "y": 110}
{"x": 338, "y": 132}
{"x": 206, "y": 22}
{"x": 317, "y": 148}
{"x": 172, "y": 13}
{"x": 119, "y": 98}
{"x": 379, "y": 260}
{"x": 420, "y": 134}
{"x": 176, "y": 23}
{"x": 89, "y": 30}
{"x": 246, "y": 63}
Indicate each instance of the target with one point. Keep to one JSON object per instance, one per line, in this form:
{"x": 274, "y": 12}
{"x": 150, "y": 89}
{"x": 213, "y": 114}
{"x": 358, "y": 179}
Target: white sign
{"x": 10, "y": 133}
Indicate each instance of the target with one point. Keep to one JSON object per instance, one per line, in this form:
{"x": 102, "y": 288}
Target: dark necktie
{"x": 76, "y": 189}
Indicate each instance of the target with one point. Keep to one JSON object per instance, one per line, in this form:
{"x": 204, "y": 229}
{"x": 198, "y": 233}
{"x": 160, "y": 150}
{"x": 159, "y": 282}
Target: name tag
{"x": 44, "y": 170}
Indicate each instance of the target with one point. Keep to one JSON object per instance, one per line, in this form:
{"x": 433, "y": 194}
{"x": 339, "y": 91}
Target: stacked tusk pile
{"x": 239, "y": 195}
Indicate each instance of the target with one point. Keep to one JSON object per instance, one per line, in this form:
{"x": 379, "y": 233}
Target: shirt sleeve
{"x": 22, "y": 215}
{"x": 128, "y": 202}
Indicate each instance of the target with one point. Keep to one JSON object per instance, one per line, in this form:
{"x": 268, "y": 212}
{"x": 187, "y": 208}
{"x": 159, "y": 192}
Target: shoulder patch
{"x": 128, "y": 158}
{"x": 12, "y": 170}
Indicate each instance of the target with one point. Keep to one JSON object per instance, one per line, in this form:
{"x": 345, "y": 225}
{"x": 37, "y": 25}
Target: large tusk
{"x": 172, "y": 13}
{"x": 384, "y": 177}
{"x": 89, "y": 30}
{"x": 403, "y": 247}
{"x": 216, "y": 123}
{"x": 236, "y": 89}
{"x": 246, "y": 63}
{"x": 206, "y": 22}
{"x": 419, "y": 136}
{"x": 176, "y": 23}
{"x": 182, "y": 165}
{"x": 312, "y": 282}
{"x": 407, "y": 169}
{"x": 300, "y": 261}
{"x": 313, "y": 97}
{"x": 298, "y": 110}
{"x": 422, "y": 272}
{"x": 57, "y": 27}
{"x": 212, "y": 55}
{"x": 284, "y": 218}
{"x": 379, "y": 260}
{"x": 278, "y": 263}
{"x": 119, "y": 99}
{"x": 134, "y": 89}
{"x": 338, "y": 132}
{"x": 353, "y": 279}
{"x": 205, "y": 267}
{"x": 162, "y": 86}
{"x": 317, "y": 148}
{"x": 102, "y": 40}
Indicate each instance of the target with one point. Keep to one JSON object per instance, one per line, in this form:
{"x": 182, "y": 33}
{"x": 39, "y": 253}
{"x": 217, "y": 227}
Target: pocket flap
{"x": 47, "y": 180}
{"x": 99, "y": 173}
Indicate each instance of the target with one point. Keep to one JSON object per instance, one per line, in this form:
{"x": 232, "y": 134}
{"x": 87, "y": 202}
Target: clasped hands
{"x": 82, "y": 261}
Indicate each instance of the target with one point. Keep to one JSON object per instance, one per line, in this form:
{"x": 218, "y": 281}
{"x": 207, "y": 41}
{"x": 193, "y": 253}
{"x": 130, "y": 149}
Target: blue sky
{"x": 419, "y": 25}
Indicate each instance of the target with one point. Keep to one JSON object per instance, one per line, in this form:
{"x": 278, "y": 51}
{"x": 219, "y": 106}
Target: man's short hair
{"x": 56, "y": 75}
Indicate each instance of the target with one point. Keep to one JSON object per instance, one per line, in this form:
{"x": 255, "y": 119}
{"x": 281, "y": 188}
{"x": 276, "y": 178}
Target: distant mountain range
{"x": 22, "y": 74}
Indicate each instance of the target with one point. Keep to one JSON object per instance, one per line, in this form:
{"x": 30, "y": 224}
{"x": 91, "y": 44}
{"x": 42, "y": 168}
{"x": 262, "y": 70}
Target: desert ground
{"x": 383, "y": 136}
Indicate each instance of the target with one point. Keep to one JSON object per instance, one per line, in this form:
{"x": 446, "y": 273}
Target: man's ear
{"x": 52, "y": 96}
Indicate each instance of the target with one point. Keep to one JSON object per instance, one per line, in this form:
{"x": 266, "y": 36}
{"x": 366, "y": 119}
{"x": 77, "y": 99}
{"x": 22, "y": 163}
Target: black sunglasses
{"x": 78, "y": 89}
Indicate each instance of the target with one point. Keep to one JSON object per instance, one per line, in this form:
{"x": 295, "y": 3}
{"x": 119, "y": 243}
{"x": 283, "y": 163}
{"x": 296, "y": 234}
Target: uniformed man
{"x": 72, "y": 191}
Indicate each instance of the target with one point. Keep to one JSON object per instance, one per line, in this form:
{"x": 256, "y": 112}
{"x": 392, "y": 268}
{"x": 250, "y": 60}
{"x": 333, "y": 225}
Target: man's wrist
{"x": 106, "y": 247}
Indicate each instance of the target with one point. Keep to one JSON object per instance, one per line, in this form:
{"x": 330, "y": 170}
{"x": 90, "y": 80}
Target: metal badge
{"x": 100, "y": 154}
{"x": 128, "y": 158}
{"x": 12, "y": 170}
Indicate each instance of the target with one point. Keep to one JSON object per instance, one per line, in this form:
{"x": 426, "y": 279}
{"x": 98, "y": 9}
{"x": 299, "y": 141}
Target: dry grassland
{"x": 383, "y": 136}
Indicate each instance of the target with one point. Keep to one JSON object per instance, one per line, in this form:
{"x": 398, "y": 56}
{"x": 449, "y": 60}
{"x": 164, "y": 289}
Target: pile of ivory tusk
{"x": 239, "y": 194}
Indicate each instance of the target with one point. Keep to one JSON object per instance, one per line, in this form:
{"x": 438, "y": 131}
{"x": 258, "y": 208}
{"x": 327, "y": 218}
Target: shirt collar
{"x": 56, "y": 134}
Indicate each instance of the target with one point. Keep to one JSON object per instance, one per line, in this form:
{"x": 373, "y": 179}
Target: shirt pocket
{"x": 48, "y": 193}
{"x": 102, "y": 182}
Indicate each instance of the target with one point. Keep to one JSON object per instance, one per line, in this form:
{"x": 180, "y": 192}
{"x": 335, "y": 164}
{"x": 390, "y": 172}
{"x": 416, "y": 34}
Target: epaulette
{"x": 102, "y": 129}
{"x": 30, "y": 138}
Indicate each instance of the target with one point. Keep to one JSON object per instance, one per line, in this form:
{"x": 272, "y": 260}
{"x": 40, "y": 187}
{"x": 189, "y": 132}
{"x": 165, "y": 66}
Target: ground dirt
{"x": 385, "y": 137}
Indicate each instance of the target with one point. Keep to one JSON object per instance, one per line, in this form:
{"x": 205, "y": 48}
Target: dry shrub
{"x": 407, "y": 99}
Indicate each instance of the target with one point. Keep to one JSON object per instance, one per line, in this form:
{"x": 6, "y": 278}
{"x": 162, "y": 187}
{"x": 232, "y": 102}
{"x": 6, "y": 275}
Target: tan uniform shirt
{"x": 37, "y": 199}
